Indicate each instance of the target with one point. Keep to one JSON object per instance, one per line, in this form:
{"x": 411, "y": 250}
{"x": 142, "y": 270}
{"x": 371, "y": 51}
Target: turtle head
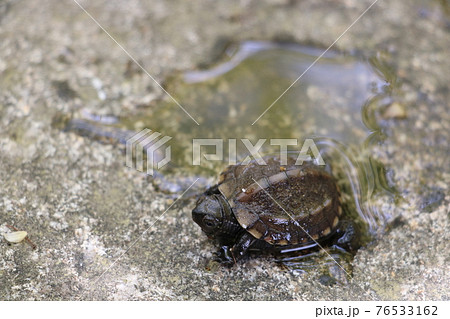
{"x": 209, "y": 214}
{"x": 214, "y": 215}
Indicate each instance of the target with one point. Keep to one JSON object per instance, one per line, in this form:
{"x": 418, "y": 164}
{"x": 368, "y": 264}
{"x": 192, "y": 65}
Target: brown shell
{"x": 282, "y": 204}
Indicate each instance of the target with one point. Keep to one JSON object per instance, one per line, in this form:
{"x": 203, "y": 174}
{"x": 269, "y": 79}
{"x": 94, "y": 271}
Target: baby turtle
{"x": 273, "y": 206}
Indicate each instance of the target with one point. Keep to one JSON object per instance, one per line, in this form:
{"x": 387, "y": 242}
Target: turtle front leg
{"x": 230, "y": 255}
{"x": 241, "y": 247}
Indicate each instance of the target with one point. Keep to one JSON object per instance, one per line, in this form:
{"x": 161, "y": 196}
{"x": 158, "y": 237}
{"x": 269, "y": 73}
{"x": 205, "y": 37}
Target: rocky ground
{"x": 84, "y": 209}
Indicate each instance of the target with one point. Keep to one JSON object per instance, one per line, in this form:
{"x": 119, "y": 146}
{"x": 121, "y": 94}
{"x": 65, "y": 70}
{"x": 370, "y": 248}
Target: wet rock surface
{"x": 97, "y": 224}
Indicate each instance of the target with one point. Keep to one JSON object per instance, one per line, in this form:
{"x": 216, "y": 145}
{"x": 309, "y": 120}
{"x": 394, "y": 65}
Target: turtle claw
{"x": 224, "y": 256}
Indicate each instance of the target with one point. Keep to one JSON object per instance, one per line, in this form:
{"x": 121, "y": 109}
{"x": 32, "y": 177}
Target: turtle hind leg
{"x": 349, "y": 237}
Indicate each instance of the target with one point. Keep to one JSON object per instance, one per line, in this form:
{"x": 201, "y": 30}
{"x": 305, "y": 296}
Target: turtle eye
{"x": 209, "y": 222}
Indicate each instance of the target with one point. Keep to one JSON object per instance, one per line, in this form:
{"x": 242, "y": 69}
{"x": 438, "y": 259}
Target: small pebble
{"x": 395, "y": 111}
{"x": 15, "y": 237}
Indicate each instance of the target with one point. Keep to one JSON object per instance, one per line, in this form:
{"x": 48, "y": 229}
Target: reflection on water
{"x": 333, "y": 103}
{"x": 226, "y": 100}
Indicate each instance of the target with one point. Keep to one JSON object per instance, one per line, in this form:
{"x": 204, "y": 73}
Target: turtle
{"x": 274, "y": 206}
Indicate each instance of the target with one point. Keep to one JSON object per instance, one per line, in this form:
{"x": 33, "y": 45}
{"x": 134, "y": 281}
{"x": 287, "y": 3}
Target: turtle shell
{"x": 282, "y": 204}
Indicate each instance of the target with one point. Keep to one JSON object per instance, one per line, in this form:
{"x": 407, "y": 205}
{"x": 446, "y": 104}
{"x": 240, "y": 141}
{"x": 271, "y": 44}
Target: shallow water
{"x": 227, "y": 101}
